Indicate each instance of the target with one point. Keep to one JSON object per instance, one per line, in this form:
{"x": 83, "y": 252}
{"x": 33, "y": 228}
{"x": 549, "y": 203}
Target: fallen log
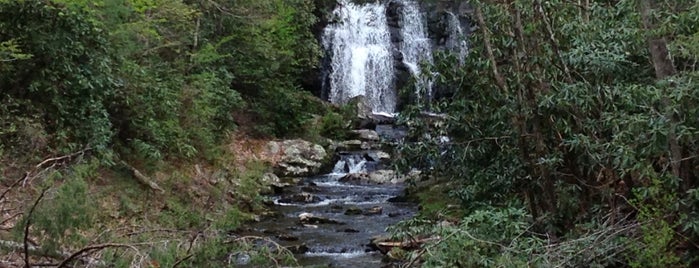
{"x": 143, "y": 179}
{"x": 386, "y": 246}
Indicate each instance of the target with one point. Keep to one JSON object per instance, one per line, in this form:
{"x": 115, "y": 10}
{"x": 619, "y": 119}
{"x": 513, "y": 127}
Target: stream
{"x": 344, "y": 215}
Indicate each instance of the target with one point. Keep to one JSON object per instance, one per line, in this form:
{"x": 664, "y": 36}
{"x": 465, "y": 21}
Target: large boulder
{"x": 297, "y": 158}
{"x": 384, "y": 176}
{"x": 272, "y": 184}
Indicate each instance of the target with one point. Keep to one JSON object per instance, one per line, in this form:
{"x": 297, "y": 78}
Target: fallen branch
{"x": 411, "y": 244}
{"x": 180, "y": 261}
{"x": 26, "y": 227}
{"x": 53, "y": 161}
{"x": 87, "y": 249}
{"x": 269, "y": 254}
{"x": 32, "y": 250}
{"x": 143, "y": 179}
{"x": 2, "y": 196}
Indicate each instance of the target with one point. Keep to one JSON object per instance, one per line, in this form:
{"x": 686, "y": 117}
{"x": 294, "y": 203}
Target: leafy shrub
{"x": 63, "y": 212}
{"x": 334, "y": 126}
{"x": 66, "y": 82}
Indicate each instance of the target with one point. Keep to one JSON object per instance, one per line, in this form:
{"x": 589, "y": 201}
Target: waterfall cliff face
{"x": 456, "y": 41}
{"x": 359, "y": 44}
{"x": 416, "y": 47}
{"x": 371, "y": 48}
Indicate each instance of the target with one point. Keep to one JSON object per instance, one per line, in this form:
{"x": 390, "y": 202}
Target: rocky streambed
{"x": 329, "y": 220}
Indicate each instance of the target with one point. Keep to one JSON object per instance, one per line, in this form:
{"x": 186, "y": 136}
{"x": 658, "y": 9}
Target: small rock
{"x": 377, "y": 156}
{"x": 394, "y": 214}
{"x": 287, "y": 237}
{"x": 242, "y": 259}
{"x": 350, "y": 230}
{"x": 310, "y": 189}
{"x": 353, "y": 211}
{"x": 298, "y": 249}
{"x": 355, "y": 178}
{"x": 377, "y": 210}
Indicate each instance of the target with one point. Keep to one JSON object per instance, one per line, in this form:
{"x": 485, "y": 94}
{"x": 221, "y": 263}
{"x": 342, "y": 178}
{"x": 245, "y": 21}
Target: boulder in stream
{"x": 303, "y": 198}
{"x": 273, "y": 184}
{"x": 349, "y": 145}
{"x": 353, "y": 211}
{"x": 298, "y": 249}
{"x": 385, "y": 176}
{"x": 377, "y": 156}
{"x": 355, "y": 178}
{"x": 377, "y": 210}
{"x": 310, "y": 218}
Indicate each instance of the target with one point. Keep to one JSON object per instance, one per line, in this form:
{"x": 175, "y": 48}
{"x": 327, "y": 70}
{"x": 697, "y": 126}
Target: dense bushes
{"x": 564, "y": 112}
{"x": 60, "y": 90}
{"x": 158, "y": 78}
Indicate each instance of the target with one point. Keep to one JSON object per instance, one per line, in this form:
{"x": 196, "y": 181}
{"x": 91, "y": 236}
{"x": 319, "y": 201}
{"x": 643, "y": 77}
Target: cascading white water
{"x": 456, "y": 41}
{"x": 416, "y": 47}
{"x": 350, "y": 164}
{"x": 360, "y": 45}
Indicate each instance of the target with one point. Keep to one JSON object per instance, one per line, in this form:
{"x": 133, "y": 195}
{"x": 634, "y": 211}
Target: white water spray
{"x": 456, "y": 41}
{"x": 360, "y": 44}
{"x": 416, "y": 46}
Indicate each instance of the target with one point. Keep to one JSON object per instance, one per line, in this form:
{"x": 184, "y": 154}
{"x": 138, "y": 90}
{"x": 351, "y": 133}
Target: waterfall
{"x": 456, "y": 41}
{"x": 371, "y": 48}
{"x": 359, "y": 44}
{"x": 416, "y": 47}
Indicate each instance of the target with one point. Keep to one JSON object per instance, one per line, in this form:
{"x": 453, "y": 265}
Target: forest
{"x": 573, "y": 132}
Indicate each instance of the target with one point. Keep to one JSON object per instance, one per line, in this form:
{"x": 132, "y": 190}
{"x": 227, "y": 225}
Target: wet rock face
{"x": 297, "y": 158}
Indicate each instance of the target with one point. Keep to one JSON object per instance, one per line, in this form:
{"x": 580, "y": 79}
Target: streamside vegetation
{"x": 572, "y": 139}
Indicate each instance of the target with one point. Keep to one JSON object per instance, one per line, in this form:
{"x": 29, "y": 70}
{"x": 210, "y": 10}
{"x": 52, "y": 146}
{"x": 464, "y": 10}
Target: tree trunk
{"x": 499, "y": 79}
{"x": 662, "y": 63}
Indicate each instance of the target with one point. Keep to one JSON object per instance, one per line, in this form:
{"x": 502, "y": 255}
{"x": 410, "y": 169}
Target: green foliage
{"x": 573, "y": 121}
{"x": 333, "y": 126}
{"x": 655, "y": 248}
{"x": 66, "y": 82}
{"x": 65, "y": 211}
{"x": 156, "y": 78}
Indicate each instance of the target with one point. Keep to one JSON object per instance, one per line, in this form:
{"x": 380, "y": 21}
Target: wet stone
{"x": 300, "y": 198}
{"x": 353, "y": 211}
{"x": 287, "y": 237}
{"x": 310, "y": 189}
{"x": 308, "y": 218}
{"x": 298, "y": 249}
{"x": 377, "y": 210}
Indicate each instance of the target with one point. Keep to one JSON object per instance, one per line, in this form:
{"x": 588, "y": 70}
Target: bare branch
{"x": 26, "y": 227}
{"x": 98, "y": 247}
